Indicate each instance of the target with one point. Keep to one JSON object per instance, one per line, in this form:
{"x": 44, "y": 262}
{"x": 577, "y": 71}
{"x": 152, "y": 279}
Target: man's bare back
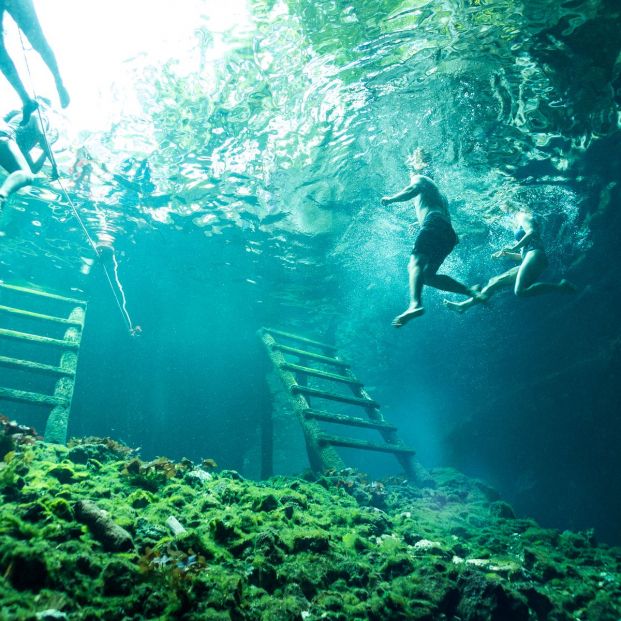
{"x": 428, "y": 198}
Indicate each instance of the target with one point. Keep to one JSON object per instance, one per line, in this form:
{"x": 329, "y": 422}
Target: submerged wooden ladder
{"x": 295, "y": 374}
{"x": 28, "y": 349}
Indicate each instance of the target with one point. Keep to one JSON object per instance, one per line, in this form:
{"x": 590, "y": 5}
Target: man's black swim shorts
{"x": 435, "y": 240}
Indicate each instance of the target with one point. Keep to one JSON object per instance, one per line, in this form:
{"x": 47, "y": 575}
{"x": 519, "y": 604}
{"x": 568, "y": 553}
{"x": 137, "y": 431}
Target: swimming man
{"x": 25, "y": 16}
{"x": 434, "y": 242}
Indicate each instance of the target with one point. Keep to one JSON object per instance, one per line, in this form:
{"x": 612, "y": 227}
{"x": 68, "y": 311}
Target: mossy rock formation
{"x": 86, "y": 534}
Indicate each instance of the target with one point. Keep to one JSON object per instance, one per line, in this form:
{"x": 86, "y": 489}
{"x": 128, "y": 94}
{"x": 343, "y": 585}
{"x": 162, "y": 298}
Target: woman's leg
{"x": 502, "y": 281}
{"x": 25, "y": 16}
{"x": 533, "y": 264}
{"x": 12, "y": 160}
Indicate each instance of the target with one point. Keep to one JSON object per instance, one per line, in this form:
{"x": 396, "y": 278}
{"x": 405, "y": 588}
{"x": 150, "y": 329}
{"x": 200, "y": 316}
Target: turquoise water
{"x": 269, "y": 145}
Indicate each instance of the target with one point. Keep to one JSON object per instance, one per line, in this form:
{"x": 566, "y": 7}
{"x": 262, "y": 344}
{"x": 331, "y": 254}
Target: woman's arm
{"x": 507, "y": 252}
{"x": 46, "y": 154}
{"x": 519, "y": 245}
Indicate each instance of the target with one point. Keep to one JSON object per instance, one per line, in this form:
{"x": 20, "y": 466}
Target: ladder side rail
{"x": 389, "y": 436}
{"x": 58, "y": 419}
{"x": 321, "y": 456}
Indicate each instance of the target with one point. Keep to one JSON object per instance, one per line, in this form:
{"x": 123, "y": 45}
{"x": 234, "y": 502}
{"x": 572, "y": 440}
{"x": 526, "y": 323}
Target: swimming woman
{"x": 530, "y": 253}
{"x": 16, "y": 144}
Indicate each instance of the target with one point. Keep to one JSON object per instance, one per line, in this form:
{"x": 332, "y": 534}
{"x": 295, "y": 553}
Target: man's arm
{"x": 408, "y": 193}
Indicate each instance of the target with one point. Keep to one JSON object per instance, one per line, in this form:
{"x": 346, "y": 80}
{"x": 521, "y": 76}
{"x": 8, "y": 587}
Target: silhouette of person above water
{"x": 17, "y": 142}
{"x": 25, "y": 16}
{"x": 434, "y": 242}
{"x": 134, "y": 185}
{"x": 530, "y": 253}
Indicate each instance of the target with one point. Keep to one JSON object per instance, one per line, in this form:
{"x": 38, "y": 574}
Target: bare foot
{"x": 63, "y": 95}
{"x": 454, "y": 306}
{"x": 477, "y": 294}
{"x": 568, "y": 287}
{"x": 410, "y": 313}
{"x": 29, "y": 107}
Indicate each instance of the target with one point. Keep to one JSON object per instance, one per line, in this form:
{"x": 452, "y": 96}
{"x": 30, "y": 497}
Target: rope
{"x": 133, "y": 330}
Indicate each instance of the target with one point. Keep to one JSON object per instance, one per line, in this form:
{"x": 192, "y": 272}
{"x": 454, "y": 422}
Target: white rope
{"x": 121, "y": 304}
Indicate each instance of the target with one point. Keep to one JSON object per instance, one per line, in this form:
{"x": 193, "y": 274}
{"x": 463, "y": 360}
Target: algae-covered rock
{"x": 311, "y": 541}
{"x": 119, "y": 577}
{"x": 26, "y": 569}
{"x": 284, "y": 548}
{"x": 502, "y": 510}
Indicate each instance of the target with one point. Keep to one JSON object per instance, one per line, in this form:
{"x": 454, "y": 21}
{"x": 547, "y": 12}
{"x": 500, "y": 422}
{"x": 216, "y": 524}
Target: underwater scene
{"x": 310, "y": 310}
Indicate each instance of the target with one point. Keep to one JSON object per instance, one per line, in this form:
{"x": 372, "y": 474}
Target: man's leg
{"x": 446, "y": 283}
{"x": 25, "y": 16}
{"x": 416, "y": 270}
{"x": 10, "y": 73}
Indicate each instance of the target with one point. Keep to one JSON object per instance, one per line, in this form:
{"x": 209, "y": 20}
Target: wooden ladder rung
{"x": 31, "y": 315}
{"x": 35, "y": 366}
{"x": 298, "y": 368}
{"x": 342, "y": 419}
{"x": 314, "y": 392}
{"x": 365, "y": 445}
{"x": 300, "y": 339}
{"x": 43, "y": 294}
{"x": 31, "y": 397}
{"x": 309, "y": 354}
{"x": 35, "y": 338}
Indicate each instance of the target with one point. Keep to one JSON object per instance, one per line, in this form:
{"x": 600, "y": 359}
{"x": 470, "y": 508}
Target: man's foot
{"x": 568, "y": 287}
{"x": 29, "y": 107}
{"x": 63, "y": 95}
{"x": 410, "y": 313}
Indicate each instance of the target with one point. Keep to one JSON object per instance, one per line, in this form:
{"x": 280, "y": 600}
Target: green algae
{"x": 281, "y": 549}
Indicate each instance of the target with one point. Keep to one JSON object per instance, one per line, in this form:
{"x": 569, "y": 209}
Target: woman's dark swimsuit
{"x": 534, "y": 243}
{"x": 435, "y": 240}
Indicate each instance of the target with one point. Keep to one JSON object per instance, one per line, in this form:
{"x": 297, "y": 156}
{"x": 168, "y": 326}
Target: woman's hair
{"x": 527, "y": 219}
